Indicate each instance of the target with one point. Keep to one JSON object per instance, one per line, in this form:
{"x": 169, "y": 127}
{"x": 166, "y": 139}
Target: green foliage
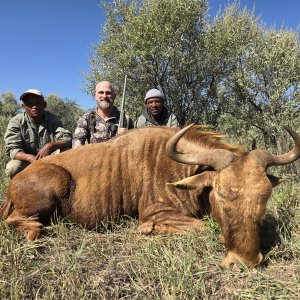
{"x": 67, "y": 110}
{"x": 150, "y": 42}
{"x": 231, "y": 72}
{"x": 8, "y": 108}
{"x": 8, "y": 104}
{"x": 3, "y": 162}
{"x": 263, "y": 90}
{"x": 259, "y": 90}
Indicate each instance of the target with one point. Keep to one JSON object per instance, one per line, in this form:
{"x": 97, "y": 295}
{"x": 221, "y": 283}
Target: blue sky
{"x": 45, "y": 44}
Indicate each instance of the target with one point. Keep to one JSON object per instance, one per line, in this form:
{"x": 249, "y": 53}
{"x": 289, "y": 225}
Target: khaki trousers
{"x": 15, "y": 166}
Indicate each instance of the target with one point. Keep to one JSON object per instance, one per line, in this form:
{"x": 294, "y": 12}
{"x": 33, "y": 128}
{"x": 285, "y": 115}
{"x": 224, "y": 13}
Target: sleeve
{"x": 13, "y": 138}
{"x": 140, "y": 122}
{"x": 65, "y": 135}
{"x": 60, "y": 133}
{"x": 81, "y": 132}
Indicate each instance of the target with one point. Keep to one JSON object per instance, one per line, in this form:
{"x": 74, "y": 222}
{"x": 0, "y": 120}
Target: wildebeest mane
{"x": 209, "y": 139}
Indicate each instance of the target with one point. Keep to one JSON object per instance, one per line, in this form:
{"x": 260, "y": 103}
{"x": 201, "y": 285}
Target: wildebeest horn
{"x": 216, "y": 158}
{"x": 272, "y": 160}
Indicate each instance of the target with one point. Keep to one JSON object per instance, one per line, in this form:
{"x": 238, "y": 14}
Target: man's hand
{"x": 46, "y": 150}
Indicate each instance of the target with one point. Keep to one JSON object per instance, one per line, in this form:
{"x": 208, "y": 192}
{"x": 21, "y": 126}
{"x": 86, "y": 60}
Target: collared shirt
{"x": 103, "y": 131}
{"x": 22, "y": 135}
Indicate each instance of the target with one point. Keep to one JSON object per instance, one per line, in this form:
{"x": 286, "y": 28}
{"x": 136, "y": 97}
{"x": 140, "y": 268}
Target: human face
{"x": 154, "y": 106}
{"x": 34, "y": 106}
{"x": 105, "y": 95}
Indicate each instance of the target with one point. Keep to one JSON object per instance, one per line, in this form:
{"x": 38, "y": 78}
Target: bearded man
{"x": 102, "y": 123}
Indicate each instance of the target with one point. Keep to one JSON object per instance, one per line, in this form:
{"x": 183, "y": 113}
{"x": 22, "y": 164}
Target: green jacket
{"x": 166, "y": 119}
{"x": 22, "y": 135}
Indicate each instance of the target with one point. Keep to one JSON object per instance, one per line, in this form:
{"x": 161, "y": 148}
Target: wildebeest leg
{"x": 30, "y": 226}
{"x": 36, "y": 193}
{"x": 165, "y": 219}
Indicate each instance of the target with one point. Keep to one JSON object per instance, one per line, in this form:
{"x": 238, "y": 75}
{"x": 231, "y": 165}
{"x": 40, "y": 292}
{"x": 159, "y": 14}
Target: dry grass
{"x": 69, "y": 262}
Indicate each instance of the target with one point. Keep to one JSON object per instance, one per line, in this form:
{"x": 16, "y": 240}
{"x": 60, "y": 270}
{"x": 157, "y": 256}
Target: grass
{"x": 69, "y": 262}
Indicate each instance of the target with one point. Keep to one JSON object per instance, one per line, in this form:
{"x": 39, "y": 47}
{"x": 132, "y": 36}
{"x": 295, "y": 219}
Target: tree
{"x": 259, "y": 92}
{"x": 231, "y": 72}
{"x": 8, "y": 104}
{"x": 9, "y": 107}
{"x": 67, "y": 110}
{"x": 150, "y": 42}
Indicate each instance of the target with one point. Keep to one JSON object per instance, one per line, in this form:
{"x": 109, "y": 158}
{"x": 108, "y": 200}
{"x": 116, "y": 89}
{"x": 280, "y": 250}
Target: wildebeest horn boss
{"x": 169, "y": 191}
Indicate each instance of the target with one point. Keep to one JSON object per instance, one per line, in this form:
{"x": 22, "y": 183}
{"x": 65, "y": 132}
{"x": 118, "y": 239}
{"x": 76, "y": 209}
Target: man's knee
{"x": 15, "y": 166}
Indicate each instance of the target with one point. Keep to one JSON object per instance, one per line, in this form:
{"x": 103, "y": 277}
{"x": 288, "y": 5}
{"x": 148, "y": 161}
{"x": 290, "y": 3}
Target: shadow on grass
{"x": 274, "y": 232}
{"x": 269, "y": 234}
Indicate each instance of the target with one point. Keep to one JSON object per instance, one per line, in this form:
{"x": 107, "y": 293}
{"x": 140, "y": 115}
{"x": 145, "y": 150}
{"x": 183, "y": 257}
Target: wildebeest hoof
{"x": 32, "y": 235}
{"x": 146, "y": 228}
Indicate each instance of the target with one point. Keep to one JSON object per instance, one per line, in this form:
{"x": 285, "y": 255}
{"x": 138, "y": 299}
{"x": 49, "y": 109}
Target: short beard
{"x": 104, "y": 104}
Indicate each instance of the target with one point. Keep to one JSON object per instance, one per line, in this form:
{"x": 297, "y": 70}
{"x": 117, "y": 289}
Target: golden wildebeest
{"x": 166, "y": 177}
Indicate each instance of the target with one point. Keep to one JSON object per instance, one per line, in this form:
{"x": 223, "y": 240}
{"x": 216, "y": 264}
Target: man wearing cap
{"x": 155, "y": 113}
{"x": 102, "y": 123}
{"x": 33, "y": 134}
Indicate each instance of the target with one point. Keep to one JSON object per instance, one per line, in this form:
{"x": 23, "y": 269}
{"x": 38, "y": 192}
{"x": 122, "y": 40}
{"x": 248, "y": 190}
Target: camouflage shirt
{"x": 101, "y": 130}
{"x": 22, "y": 135}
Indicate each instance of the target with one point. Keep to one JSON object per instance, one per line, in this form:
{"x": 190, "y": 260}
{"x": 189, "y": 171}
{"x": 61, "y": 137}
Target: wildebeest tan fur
{"x": 167, "y": 178}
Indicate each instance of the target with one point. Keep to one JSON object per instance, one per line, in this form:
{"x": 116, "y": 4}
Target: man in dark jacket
{"x": 155, "y": 113}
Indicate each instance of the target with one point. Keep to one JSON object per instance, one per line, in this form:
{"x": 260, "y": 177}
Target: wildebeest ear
{"x": 195, "y": 182}
{"x": 275, "y": 180}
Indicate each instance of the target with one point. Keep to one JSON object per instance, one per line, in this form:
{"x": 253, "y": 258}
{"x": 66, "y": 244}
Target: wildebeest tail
{"x": 6, "y": 208}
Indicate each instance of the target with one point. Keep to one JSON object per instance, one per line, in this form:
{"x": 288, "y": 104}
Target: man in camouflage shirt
{"x": 33, "y": 134}
{"x": 101, "y": 124}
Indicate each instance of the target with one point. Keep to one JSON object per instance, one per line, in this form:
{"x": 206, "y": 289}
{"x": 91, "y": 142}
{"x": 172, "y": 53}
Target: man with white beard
{"x": 101, "y": 124}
